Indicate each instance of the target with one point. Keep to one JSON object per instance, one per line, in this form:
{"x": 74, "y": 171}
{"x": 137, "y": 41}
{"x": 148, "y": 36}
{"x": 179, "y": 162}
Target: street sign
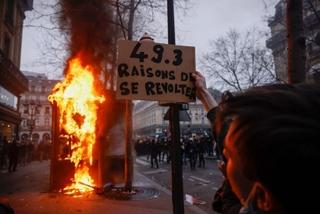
{"x": 154, "y": 71}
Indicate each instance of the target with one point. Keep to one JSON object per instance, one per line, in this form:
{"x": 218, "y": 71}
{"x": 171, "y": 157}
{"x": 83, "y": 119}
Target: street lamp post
{"x": 31, "y": 121}
{"x": 176, "y": 160}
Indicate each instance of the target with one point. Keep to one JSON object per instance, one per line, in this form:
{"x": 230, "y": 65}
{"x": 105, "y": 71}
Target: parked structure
{"x": 35, "y": 108}
{"x": 278, "y": 40}
{"x": 12, "y": 81}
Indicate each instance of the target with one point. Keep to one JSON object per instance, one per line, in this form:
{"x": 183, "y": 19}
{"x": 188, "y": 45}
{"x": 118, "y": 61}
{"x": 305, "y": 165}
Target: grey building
{"x": 12, "y": 80}
{"x": 35, "y": 108}
{"x": 149, "y": 119}
{"x": 278, "y": 41}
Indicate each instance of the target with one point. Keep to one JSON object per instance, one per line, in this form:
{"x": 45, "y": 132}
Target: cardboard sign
{"x": 154, "y": 71}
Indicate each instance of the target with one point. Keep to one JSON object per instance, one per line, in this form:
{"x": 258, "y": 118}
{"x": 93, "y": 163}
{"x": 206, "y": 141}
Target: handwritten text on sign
{"x": 153, "y": 71}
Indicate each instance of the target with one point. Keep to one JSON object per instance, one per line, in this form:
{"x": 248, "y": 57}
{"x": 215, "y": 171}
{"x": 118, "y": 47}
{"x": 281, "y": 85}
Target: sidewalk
{"x": 27, "y": 191}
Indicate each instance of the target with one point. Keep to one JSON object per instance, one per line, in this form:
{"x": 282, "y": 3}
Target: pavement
{"x": 28, "y": 192}
{"x": 200, "y": 184}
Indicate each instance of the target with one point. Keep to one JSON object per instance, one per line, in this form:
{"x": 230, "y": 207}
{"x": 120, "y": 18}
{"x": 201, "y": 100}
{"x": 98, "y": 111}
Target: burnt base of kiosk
{"x": 106, "y": 168}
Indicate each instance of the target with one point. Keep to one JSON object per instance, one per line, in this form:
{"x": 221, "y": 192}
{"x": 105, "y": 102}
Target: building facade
{"x": 35, "y": 108}
{"x": 278, "y": 41}
{"x": 12, "y": 80}
{"x": 149, "y": 119}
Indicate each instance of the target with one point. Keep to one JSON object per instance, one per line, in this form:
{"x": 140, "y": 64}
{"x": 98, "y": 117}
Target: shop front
{"x": 9, "y": 117}
{"x": 12, "y": 84}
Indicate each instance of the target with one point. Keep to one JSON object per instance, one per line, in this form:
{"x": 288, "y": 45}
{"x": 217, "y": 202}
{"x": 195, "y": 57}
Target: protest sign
{"x": 154, "y": 71}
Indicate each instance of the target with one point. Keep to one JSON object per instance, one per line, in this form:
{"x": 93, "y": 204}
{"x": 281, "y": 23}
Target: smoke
{"x": 88, "y": 25}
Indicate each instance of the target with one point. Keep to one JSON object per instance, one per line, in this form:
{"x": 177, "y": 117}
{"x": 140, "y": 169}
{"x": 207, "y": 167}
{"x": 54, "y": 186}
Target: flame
{"x": 77, "y": 100}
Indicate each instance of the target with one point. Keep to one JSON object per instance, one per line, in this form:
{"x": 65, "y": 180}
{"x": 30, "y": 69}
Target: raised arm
{"x": 202, "y": 91}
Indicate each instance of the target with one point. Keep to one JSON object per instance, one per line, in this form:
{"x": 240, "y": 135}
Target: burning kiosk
{"x": 89, "y": 133}
{"x": 89, "y": 125}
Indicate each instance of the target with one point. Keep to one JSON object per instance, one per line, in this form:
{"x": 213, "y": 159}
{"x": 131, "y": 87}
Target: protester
{"x": 225, "y": 201}
{"x": 271, "y": 146}
{"x": 13, "y": 155}
{"x": 4, "y": 147}
{"x": 154, "y": 153}
{"x": 41, "y": 149}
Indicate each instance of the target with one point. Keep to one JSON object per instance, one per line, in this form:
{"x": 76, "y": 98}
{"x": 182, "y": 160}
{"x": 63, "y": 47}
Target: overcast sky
{"x": 205, "y": 21}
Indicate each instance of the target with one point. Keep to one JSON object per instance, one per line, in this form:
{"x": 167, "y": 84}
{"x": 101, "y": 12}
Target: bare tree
{"x": 238, "y": 61}
{"x": 131, "y": 18}
{"x": 136, "y": 16}
{"x": 51, "y": 44}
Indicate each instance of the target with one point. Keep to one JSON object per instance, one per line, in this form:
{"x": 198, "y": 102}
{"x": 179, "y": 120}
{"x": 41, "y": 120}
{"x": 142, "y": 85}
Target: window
{"x": 9, "y": 11}
{"x": 37, "y": 110}
{"x": 47, "y": 110}
{"x": 33, "y": 88}
{"x": 42, "y": 98}
{"x": 24, "y": 122}
{"x": 46, "y": 122}
{"x": 43, "y": 89}
{"x": 26, "y": 110}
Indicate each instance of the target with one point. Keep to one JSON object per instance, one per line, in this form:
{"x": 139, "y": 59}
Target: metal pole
{"x": 128, "y": 167}
{"x": 176, "y": 161}
{"x": 54, "y": 183}
{"x": 31, "y": 120}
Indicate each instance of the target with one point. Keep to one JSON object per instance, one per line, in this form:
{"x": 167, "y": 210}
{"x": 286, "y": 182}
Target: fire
{"x": 77, "y": 100}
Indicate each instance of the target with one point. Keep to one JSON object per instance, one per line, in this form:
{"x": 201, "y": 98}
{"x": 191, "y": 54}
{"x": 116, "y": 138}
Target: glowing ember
{"x": 77, "y": 100}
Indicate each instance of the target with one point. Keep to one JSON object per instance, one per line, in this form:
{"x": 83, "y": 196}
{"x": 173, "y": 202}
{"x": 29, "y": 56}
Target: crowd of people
{"x": 194, "y": 148}
{"x": 22, "y": 152}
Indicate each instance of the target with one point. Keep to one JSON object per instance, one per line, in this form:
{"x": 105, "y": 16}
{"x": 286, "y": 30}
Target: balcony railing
{"x": 11, "y": 75}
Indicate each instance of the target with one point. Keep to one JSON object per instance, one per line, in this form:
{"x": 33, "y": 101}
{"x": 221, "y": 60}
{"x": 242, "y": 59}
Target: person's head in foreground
{"x": 272, "y": 148}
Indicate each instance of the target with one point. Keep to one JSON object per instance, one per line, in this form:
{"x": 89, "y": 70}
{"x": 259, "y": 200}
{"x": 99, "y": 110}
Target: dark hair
{"x": 276, "y": 131}
{"x": 221, "y": 125}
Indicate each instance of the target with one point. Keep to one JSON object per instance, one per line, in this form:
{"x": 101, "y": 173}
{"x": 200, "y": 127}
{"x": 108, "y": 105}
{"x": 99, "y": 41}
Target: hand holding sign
{"x": 153, "y": 71}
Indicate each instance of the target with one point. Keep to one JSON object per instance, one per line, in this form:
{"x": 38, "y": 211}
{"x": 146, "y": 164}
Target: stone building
{"x": 278, "y": 41}
{"x": 12, "y": 80}
{"x": 35, "y": 108}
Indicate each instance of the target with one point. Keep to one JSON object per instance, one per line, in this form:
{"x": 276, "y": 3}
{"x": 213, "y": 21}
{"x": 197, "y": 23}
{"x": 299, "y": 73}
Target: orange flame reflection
{"x": 77, "y": 100}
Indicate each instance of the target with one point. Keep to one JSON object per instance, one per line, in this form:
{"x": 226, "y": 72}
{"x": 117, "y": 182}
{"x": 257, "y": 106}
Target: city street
{"x": 200, "y": 183}
{"x": 28, "y": 191}
{"x": 125, "y": 107}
